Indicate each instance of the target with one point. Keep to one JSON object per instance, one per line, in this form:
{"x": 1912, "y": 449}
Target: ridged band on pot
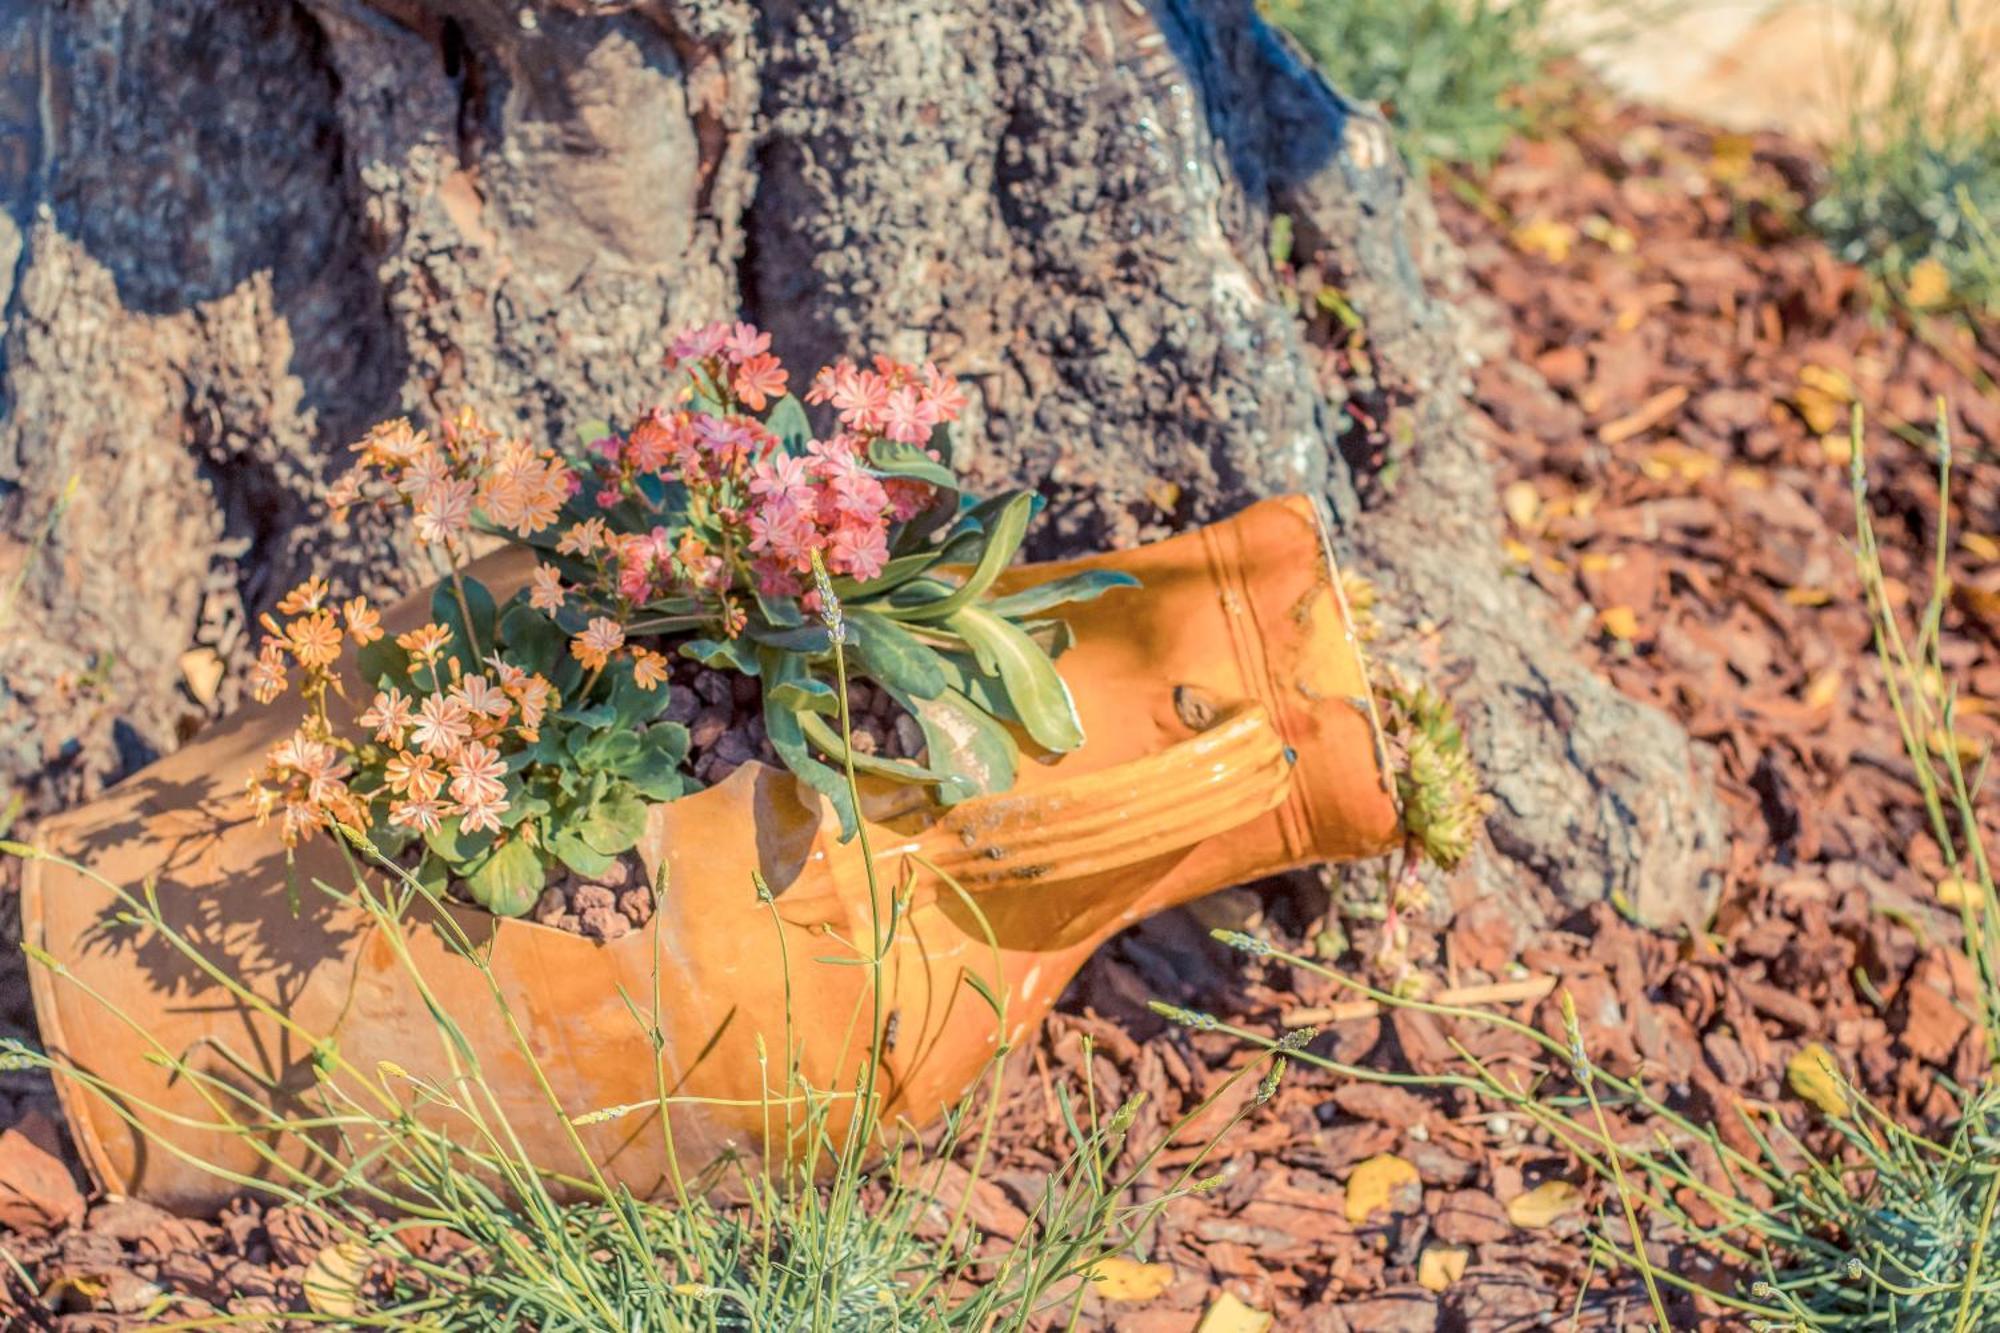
{"x": 1229, "y": 736}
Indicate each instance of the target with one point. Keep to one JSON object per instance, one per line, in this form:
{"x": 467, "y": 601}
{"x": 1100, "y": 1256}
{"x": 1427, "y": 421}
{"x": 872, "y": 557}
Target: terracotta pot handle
{"x": 1230, "y": 773}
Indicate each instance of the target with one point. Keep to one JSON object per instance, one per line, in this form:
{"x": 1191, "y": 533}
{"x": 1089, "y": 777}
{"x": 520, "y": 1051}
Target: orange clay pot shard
{"x": 1230, "y": 736}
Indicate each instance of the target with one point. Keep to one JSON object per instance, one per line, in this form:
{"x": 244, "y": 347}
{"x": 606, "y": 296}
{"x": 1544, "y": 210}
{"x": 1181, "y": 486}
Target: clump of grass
{"x": 1913, "y": 187}
{"x": 1444, "y": 71}
{"x": 837, "y": 1228}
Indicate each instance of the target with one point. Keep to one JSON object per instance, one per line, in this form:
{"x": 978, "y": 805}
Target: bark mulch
{"x": 1667, "y": 400}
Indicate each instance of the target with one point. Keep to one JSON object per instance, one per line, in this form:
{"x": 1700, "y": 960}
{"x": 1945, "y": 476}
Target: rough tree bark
{"x": 236, "y": 234}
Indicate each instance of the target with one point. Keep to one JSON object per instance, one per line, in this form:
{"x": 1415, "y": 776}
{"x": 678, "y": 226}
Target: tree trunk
{"x": 237, "y": 234}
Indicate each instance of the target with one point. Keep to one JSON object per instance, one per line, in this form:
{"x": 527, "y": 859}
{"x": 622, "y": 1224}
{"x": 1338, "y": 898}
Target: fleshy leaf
{"x": 788, "y": 421}
{"x": 510, "y": 880}
{"x": 1058, "y": 592}
{"x": 970, "y": 746}
{"x": 1034, "y": 687}
{"x": 1003, "y": 539}
{"x": 615, "y": 823}
{"x": 578, "y": 855}
{"x": 532, "y": 641}
{"x": 892, "y": 656}
{"x": 722, "y": 654}
{"x": 471, "y": 649}
{"x": 787, "y": 736}
{"x": 827, "y": 738}
{"x": 896, "y": 459}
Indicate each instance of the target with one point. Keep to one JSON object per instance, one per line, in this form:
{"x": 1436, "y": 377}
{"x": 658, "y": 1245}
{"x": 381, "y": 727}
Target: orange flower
{"x": 421, "y": 814}
{"x": 413, "y": 775}
{"x": 390, "y": 715}
{"x": 547, "y": 594}
{"x": 648, "y": 668}
{"x": 267, "y": 678}
{"x": 441, "y": 726}
{"x": 363, "y": 622}
{"x": 308, "y": 596}
{"x": 600, "y": 638}
{"x": 583, "y": 538}
{"x": 425, "y": 643}
{"x": 314, "y": 639}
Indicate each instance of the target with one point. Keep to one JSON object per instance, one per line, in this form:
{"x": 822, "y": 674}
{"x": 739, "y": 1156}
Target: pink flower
{"x": 858, "y": 496}
{"x": 745, "y": 342}
{"x": 908, "y": 497}
{"x": 697, "y": 344}
{"x": 859, "y": 551}
{"x": 861, "y": 397}
{"x": 941, "y": 391}
{"x": 785, "y": 532}
{"x": 782, "y": 478}
{"x": 908, "y": 416}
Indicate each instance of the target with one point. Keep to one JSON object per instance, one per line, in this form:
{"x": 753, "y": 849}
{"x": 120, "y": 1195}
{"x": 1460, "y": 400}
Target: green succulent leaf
{"x": 896, "y": 459}
{"x": 1035, "y": 688}
{"x": 890, "y": 655}
{"x": 784, "y": 729}
{"x": 788, "y": 421}
{"x": 723, "y": 654}
{"x": 455, "y": 845}
{"x": 383, "y": 664}
{"x": 800, "y": 692}
{"x": 590, "y": 432}
{"x": 615, "y": 823}
{"x": 578, "y": 855}
{"x": 827, "y": 738}
{"x": 532, "y": 640}
{"x": 655, "y": 773}
{"x": 508, "y": 882}
{"x": 1083, "y": 587}
{"x": 794, "y": 639}
{"x": 1003, "y": 540}
{"x": 972, "y": 748}
{"x": 635, "y": 704}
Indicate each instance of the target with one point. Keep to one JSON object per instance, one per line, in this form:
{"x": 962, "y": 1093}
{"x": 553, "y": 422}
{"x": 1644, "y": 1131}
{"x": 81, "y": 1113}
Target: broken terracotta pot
{"x": 1229, "y": 736}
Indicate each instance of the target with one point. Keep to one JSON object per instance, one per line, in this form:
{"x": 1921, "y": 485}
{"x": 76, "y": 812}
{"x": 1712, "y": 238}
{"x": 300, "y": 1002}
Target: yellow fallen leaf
{"x": 1546, "y": 237}
{"x": 1522, "y": 504}
{"x": 1943, "y": 742}
{"x": 1813, "y": 1075}
{"x": 1439, "y": 1266}
{"x": 1982, "y": 546}
{"x": 1929, "y": 284}
{"x": 1118, "y": 1278}
{"x": 1229, "y": 1315}
{"x": 333, "y": 1279}
{"x": 1618, "y": 240}
{"x": 1518, "y": 552}
{"x": 1384, "y": 1181}
{"x": 1823, "y": 690}
{"x": 1808, "y": 596}
{"x": 1836, "y": 449}
{"x": 1544, "y": 1204}
{"x": 1822, "y": 397}
{"x": 1620, "y": 622}
{"x": 1729, "y": 158}
{"x": 1956, "y": 891}
{"x": 1600, "y": 562}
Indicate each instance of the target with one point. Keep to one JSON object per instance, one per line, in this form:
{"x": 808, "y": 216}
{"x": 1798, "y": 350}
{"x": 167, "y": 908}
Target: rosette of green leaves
{"x": 577, "y": 796}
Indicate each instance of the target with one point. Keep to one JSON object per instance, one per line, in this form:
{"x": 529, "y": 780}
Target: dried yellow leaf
{"x": 1982, "y": 546}
{"x": 1600, "y": 562}
{"x": 1229, "y": 1315}
{"x": 1439, "y": 1266}
{"x": 1813, "y": 1075}
{"x": 333, "y": 1279}
{"x": 1620, "y": 622}
{"x": 1823, "y": 690}
{"x": 1929, "y": 284}
{"x": 1808, "y": 596}
{"x": 1518, "y": 552}
{"x": 1546, "y": 237}
{"x": 1118, "y": 1278}
{"x": 1956, "y": 891}
{"x": 1522, "y": 504}
{"x": 1544, "y": 1204}
{"x": 1384, "y": 1181}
